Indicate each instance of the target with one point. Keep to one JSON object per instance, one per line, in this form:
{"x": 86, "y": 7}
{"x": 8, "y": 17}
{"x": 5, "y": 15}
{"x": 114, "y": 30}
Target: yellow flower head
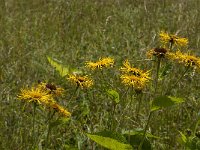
{"x": 132, "y": 80}
{"x": 133, "y": 76}
{"x": 82, "y": 81}
{"x": 166, "y": 38}
{"x": 158, "y": 52}
{"x": 51, "y": 88}
{"x": 186, "y": 59}
{"x": 127, "y": 68}
{"x": 103, "y": 62}
{"x": 59, "y": 109}
{"x": 35, "y": 95}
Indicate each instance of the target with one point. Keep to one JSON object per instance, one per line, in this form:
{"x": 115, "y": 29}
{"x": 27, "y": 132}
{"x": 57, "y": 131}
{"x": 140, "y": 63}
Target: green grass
{"x": 77, "y": 31}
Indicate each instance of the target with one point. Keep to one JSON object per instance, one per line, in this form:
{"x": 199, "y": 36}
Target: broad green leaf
{"x": 117, "y": 136}
{"x": 183, "y": 137}
{"x": 109, "y": 142}
{"x": 68, "y": 147}
{"x": 114, "y": 95}
{"x": 165, "y": 101}
{"x": 63, "y": 71}
{"x": 194, "y": 143}
{"x": 165, "y": 71}
{"x": 59, "y": 122}
{"x": 140, "y": 131}
{"x": 198, "y": 115}
{"x": 136, "y": 139}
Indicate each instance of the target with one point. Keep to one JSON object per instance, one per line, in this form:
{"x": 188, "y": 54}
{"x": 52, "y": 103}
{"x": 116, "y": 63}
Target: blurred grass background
{"x": 75, "y": 31}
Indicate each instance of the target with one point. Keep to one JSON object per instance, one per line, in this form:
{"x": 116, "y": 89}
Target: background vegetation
{"x": 75, "y": 31}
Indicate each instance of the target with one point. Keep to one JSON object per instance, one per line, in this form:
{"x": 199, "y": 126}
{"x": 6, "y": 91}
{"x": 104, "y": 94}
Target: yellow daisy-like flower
{"x": 186, "y": 59}
{"x": 34, "y": 95}
{"x": 51, "y": 88}
{"x": 59, "y": 109}
{"x": 158, "y": 52}
{"x": 132, "y": 80}
{"x": 82, "y": 81}
{"x": 103, "y": 62}
{"x": 133, "y": 76}
{"x": 166, "y": 38}
{"x": 134, "y": 71}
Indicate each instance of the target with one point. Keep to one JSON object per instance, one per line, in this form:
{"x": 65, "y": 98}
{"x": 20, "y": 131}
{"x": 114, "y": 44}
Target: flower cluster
{"x": 185, "y": 58}
{"x": 51, "y": 89}
{"x": 166, "y": 38}
{"x": 44, "y": 94}
{"x": 82, "y": 81}
{"x": 158, "y": 52}
{"x": 103, "y": 62}
{"x": 35, "y": 95}
{"x": 133, "y": 76}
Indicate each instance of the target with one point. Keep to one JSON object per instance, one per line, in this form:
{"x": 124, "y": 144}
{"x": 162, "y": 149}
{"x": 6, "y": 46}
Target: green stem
{"x": 180, "y": 78}
{"x": 113, "y": 116}
{"x": 74, "y": 92}
{"x": 196, "y": 126}
{"x": 33, "y": 132}
{"x": 50, "y": 116}
{"x": 47, "y": 137}
{"x": 157, "y": 74}
{"x": 151, "y": 112}
{"x": 145, "y": 131}
{"x": 139, "y": 97}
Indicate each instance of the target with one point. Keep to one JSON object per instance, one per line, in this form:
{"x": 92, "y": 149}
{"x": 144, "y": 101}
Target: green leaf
{"x": 68, "y": 147}
{"x": 140, "y": 131}
{"x": 105, "y": 139}
{"x": 63, "y": 71}
{"x": 165, "y": 71}
{"x": 194, "y": 143}
{"x": 114, "y": 95}
{"x": 183, "y": 137}
{"x": 164, "y": 101}
{"x": 136, "y": 139}
{"x": 59, "y": 122}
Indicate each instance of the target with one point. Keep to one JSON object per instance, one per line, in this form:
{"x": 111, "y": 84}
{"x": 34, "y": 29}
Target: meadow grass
{"x": 73, "y": 32}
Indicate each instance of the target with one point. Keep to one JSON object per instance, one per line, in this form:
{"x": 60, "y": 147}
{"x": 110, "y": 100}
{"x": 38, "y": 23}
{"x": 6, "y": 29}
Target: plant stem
{"x": 74, "y": 92}
{"x": 196, "y": 126}
{"x": 157, "y": 74}
{"x": 181, "y": 77}
{"x": 139, "y": 97}
{"x": 33, "y": 133}
{"x": 113, "y": 116}
{"x": 150, "y": 114}
{"x": 145, "y": 131}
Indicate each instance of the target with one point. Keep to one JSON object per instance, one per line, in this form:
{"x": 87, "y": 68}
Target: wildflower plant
{"x": 133, "y": 76}
{"x": 102, "y": 63}
{"x": 81, "y": 81}
{"x": 134, "y": 107}
{"x": 34, "y": 94}
{"x": 185, "y": 59}
{"x": 170, "y": 39}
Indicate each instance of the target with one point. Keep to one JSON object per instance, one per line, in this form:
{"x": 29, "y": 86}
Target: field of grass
{"x": 73, "y": 32}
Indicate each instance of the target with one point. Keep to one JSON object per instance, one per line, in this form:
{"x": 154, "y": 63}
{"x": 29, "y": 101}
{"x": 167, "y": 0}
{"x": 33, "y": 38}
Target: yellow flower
{"x": 158, "y": 52}
{"x": 103, "y": 62}
{"x": 133, "y": 76}
{"x": 59, "y": 109}
{"x": 135, "y": 81}
{"x": 166, "y": 38}
{"x": 82, "y": 81}
{"x": 35, "y": 95}
{"x": 51, "y": 88}
{"x": 134, "y": 71}
{"x": 186, "y": 59}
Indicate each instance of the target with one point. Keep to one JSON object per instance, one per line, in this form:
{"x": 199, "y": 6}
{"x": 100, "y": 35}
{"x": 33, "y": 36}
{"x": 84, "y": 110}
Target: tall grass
{"x": 74, "y": 32}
